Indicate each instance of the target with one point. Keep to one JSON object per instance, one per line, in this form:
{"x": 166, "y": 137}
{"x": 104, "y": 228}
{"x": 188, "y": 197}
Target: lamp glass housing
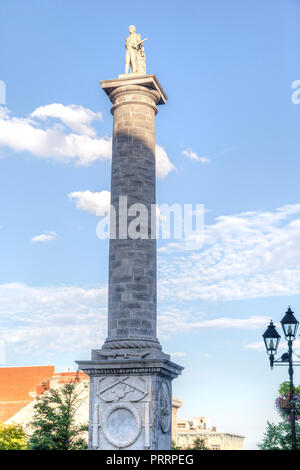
{"x": 289, "y": 324}
{"x": 271, "y": 339}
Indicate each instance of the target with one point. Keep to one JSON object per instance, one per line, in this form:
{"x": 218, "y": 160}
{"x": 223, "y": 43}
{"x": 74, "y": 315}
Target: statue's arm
{"x": 137, "y": 39}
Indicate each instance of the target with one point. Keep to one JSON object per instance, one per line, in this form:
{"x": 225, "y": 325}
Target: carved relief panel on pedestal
{"x": 128, "y": 388}
{"x": 123, "y": 410}
{"x": 164, "y": 407}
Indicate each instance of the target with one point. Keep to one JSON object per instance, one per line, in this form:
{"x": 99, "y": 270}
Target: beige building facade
{"x": 186, "y": 431}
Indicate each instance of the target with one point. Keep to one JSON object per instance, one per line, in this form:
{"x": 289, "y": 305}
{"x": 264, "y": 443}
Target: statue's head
{"x": 132, "y": 29}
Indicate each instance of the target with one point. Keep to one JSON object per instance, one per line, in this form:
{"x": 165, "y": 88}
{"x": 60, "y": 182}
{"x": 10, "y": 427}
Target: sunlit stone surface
{"x": 131, "y": 378}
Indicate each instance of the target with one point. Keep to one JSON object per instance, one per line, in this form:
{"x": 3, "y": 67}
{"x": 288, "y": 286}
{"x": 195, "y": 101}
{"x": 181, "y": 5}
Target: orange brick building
{"x": 20, "y": 385}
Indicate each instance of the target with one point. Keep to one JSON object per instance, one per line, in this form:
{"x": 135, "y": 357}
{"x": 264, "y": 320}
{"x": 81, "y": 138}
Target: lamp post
{"x": 271, "y": 338}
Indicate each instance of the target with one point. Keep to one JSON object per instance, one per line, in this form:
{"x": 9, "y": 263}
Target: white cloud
{"x": 256, "y": 345}
{"x": 4, "y": 112}
{"x": 52, "y": 318}
{"x": 171, "y": 321}
{"x": 163, "y": 164}
{"x": 193, "y": 156}
{"x": 94, "y": 203}
{"x": 178, "y": 354}
{"x": 65, "y": 134}
{"x": 207, "y": 355}
{"x": 45, "y": 237}
{"x": 77, "y": 118}
{"x": 98, "y": 204}
{"x": 66, "y": 318}
{"x": 260, "y": 346}
{"x": 248, "y": 255}
{"x": 28, "y": 135}
{"x": 228, "y": 322}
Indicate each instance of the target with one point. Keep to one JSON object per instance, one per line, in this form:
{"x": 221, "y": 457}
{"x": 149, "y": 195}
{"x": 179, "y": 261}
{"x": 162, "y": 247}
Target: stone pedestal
{"x": 131, "y": 392}
{"x": 130, "y": 403}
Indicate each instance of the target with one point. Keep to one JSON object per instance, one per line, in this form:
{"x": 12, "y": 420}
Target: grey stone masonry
{"x": 131, "y": 377}
{"x": 132, "y": 262}
{"x": 130, "y": 403}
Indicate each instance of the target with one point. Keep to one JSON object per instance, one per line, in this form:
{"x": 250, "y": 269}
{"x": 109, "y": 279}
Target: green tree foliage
{"x": 175, "y": 446}
{"x": 278, "y": 436}
{"x": 198, "y": 444}
{"x": 53, "y": 426}
{"x": 284, "y": 388}
{"x": 12, "y": 437}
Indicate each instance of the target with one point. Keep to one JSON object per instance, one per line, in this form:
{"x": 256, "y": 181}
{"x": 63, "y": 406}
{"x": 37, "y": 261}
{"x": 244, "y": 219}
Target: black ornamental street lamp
{"x": 289, "y": 325}
{"x": 271, "y": 338}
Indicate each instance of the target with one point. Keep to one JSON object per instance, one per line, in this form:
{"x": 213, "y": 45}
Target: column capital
{"x": 146, "y": 81}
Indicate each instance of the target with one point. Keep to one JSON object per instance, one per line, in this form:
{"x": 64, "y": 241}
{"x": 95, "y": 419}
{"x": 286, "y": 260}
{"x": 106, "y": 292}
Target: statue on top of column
{"x": 135, "y": 59}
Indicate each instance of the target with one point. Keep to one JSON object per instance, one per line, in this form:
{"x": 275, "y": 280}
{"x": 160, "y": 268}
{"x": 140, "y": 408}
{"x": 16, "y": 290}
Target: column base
{"x": 131, "y": 343}
{"x": 130, "y": 401}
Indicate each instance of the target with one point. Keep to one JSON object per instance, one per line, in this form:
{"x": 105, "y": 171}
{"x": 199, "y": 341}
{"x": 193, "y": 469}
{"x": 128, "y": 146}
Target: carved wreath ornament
{"x": 121, "y": 425}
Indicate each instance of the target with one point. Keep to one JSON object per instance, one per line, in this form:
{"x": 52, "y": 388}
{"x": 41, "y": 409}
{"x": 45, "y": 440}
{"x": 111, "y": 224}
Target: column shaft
{"x": 132, "y": 262}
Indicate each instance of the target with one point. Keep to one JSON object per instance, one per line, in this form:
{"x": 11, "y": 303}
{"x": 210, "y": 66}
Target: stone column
{"x": 130, "y": 390}
{"x": 132, "y": 263}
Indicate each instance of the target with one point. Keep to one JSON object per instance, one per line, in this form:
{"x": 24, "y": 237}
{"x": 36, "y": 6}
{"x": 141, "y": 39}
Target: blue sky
{"x": 227, "y": 68}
